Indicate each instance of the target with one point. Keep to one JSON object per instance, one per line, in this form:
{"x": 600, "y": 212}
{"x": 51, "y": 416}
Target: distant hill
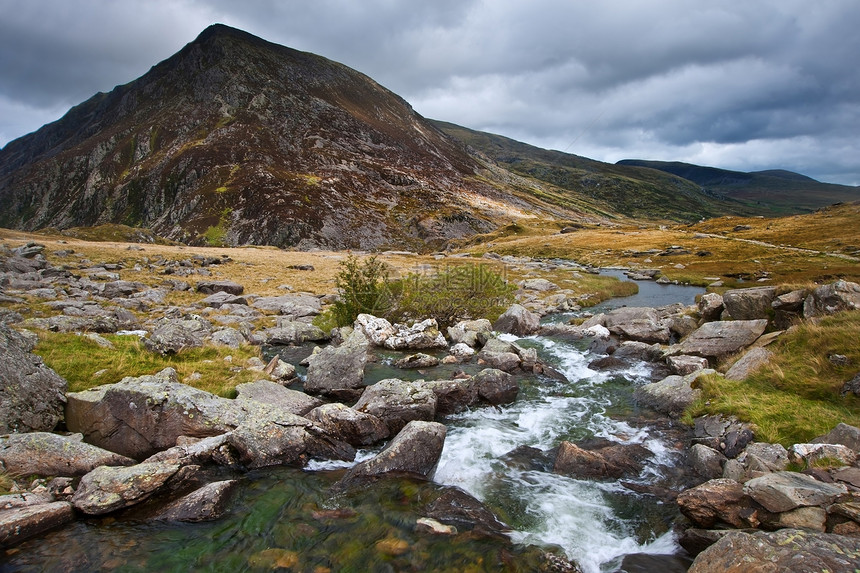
{"x": 623, "y": 189}
{"x": 771, "y": 192}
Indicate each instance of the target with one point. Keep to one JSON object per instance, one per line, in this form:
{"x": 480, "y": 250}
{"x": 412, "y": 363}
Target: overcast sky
{"x": 737, "y": 84}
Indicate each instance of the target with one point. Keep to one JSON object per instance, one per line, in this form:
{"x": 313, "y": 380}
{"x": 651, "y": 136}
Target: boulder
{"x": 637, "y": 323}
{"x": 750, "y": 303}
{"x": 707, "y": 462}
{"x": 715, "y": 340}
{"x": 415, "y": 450}
{"x": 600, "y": 460}
{"x": 683, "y": 364}
{"x": 539, "y": 285}
{"x": 671, "y": 395}
{"x": 118, "y": 289}
{"x": 473, "y": 333}
{"x": 495, "y": 386}
{"x": 452, "y": 396}
{"x": 295, "y": 306}
{"x": 397, "y": 402}
{"x": 458, "y": 508}
{"x": 419, "y": 360}
{"x": 211, "y": 287}
{"x": 338, "y": 371}
{"x": 349, "y": 425}
{"x": 207, "y": 503}
{"x": 32, "y": 396}
{"x": 46, "y": 454}
{"x": 107, "y": 489}
{"x": 172, "y": 335}
{"x": 809, "y": 455}
{"x": 295, "y": 333}
{"x": 273, "y": 394}
{"x": 137, "y": 417}
{"x": 841, "y": 434}
{"x": 280, "y": 370}
{"x": 754, "y": 359}
{"x": 419, "y": 336}
{"x": 228, "y": 337}
{"x": 517, "y": 320}
{"x": 635, "y": 351}
{"x": 21, "y": 523}
{"x": 715, "y": 502}
{"x": 221, "y": 298}
{"x": 784, "y": 491}
{"x": 710, "y": 306}
{"x": 834, "y": 297}
{"x": 793, "y": 550}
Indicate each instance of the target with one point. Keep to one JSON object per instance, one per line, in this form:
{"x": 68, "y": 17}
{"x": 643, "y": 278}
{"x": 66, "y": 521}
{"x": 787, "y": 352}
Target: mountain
{"x": 771, "y": 192}
{"x": 235, "y": 140}
{"x": 611, "y": 189}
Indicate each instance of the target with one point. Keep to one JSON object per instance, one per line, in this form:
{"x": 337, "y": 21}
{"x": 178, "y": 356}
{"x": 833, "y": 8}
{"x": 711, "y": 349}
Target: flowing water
{"x": 289, "y": 520}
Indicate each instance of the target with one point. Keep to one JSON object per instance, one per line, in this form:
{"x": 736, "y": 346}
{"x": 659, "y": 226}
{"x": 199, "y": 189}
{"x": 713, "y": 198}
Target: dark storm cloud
{"x": 752, "y": 84}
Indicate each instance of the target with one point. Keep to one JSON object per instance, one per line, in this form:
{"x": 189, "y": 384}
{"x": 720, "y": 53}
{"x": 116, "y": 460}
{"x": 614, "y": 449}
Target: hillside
{"x": 627, "y": 190}
{"x": 771, "y": 192}
{"x": 236, "y": 140}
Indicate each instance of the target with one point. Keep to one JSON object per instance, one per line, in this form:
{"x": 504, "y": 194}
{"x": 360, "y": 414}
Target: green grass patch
{"x": 795, "y": 397}
{"x": 85, "y": 364}
{"x": 6, "y": 483}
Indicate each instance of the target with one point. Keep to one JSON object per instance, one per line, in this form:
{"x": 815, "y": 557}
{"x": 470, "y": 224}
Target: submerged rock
{"x": 207, "y": 503}
{"x": 600, "y": 460}
{"x": 21, "y": 523}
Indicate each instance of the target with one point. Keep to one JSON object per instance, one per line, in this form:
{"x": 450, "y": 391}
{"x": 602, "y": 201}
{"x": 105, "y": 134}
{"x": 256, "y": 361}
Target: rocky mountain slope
{"x": 235, "y": 140}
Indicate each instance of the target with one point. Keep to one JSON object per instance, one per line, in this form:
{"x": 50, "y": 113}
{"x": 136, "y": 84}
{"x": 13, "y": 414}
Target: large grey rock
{"x": 228, "y": 337}
{"x": 415, "y": 450}
{"x": 267, "y": 392}
{"x": 419, "y": 336}
{"x": 452, "y": 396}
{"x": 750, "y": 303}
{"x": 199, "y": 452}
{"x": 117, "y": 289}
{"x": 754, "y": 359}
{"x": 172, "y": 335}
{"x": 295, "y": 306}
{"x": 794, "y": 550}
{"x": 495, "y": 386}
{"x": 671, "y": 395}
{"x": 707, "y": 462}
{"x": 107, "y": 489}
{"x": 683, "y": 364}
{"x": 784, "y": 491}
{"x": 716, "y": 502}
{"x": 841, "y": 434}
{"x": 349, "y": 425}
{"x": 715, "y": 340}
{"x": 21, "y": 523}
{"x": 294, "y": 332}
{"x": 338, "y": 371}
{"x": 517, "y": 320}
{"x": 831, "y": 298}
{"x": 207, "y": 503}
{"x": 46, "y": 454}
{"x": 637, "y": 323}
{"x": 397, "y": 402}
{"x": 473, "y": 333}
{"x": 211, "y": 287}
{"x": 137, "y": 417}
{"x": 710, "y": 306}
{"x": 32, "y": 396}
{"x": 220, "y": 298}
{"x": 834, "y": 454}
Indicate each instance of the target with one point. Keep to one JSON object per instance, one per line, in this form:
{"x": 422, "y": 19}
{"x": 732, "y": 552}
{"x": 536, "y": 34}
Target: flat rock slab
{"x": 46, "y": 454}
{"x": 107, "y": 489}
{"x": 20, "y": 523}
{"x": 714, "y": 340}
{"x": 792, "y": 550}
{"x": 784, "y": 491}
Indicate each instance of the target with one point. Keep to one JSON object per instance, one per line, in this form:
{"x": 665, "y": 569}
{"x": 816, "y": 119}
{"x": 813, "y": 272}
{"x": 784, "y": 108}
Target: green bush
{"x": 457, "y": 293}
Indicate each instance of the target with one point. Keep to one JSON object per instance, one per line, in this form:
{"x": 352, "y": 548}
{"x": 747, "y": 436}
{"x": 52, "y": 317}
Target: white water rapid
{"x": 542, "y": 507}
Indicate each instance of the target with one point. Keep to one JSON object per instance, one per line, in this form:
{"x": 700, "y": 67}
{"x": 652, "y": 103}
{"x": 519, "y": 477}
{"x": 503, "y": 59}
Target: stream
{"x": 287, "y": 519}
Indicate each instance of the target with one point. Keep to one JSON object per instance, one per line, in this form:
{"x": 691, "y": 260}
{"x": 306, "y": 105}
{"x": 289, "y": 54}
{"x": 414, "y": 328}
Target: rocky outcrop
{"x": 32, "y": 396}
{"x": 46, "y": 454}
{"x": 338, "y": 371}
{"x": 207, "y": 503}
{"x": 415, "y": 450}
{"x": 137, "y": 417}
{"x": 793, "y": 550}
{"x": 750, "y": 303}
{"x": 107, "y": 489}
{"x": 715, "y": 340}
{"x": 517, "y": 320}
{"x": 831, "y": 298}
{"x": 671, "y": 395}
{"x": 397, "y": 402}
{"x": 349, "y": 425}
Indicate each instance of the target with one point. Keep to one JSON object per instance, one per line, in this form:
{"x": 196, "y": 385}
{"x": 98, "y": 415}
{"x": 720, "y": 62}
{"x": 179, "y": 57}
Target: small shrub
{"x": 364, "y": 287}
